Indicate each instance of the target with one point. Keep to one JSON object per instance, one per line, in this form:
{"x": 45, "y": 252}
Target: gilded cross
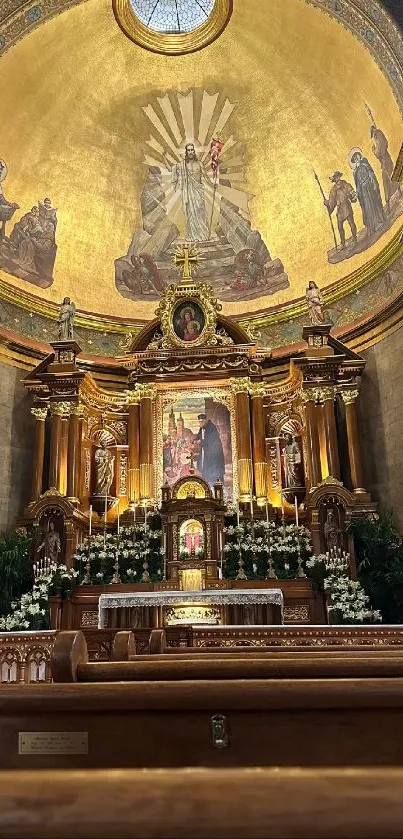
{"x": 186, "y": 257}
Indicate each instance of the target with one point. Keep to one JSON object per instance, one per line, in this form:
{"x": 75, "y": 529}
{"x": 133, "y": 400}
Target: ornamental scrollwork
{"x": 199, "y": 295}
{"x": 40, "y": 413}
{"x": 349, "y": 396}
{"x": 240, "y": 385}
{"x": 145, "y": 390}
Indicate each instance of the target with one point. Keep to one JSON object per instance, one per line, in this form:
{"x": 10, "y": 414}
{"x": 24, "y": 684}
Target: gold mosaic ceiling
{"x": 292, "y": 92}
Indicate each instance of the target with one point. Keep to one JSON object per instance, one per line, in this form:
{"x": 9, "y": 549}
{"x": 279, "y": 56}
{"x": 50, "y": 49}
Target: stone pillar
{"x": 147, "y": 393}
{"x": 257, "y": 391}
{"x": 58, "y": 410}
{"x": 133, "y": 434}
{"x": 74, "y": 453}
{"x": 240, "y": 389}
{"x": 332, "y": 446}
{"x": 312, "y": 436}
{"x": 354, "y": 453}
{"x": 40, "y": 415}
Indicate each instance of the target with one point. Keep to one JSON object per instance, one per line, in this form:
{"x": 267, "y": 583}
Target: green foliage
{"x": 379, "y": 551}
{"x": 16, "y": 575}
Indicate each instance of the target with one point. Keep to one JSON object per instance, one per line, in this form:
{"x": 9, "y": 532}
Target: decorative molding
{"x": 330, "y": 481}
{"x": 175, "y": 43}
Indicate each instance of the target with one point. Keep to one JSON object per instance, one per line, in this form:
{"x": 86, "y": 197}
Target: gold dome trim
{"x": 174, "y": 44}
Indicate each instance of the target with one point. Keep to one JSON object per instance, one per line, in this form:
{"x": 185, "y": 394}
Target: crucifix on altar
{"x": 186, "y": 256}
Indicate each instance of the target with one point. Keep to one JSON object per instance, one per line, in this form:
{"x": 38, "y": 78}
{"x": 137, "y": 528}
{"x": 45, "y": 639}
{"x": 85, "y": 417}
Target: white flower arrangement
{"x": 32, "y": 607}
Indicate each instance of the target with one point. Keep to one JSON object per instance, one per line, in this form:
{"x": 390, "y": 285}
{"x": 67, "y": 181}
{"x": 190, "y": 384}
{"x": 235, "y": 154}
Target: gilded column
{"x": 74, "y": 453}
{"x": 332, "y": 446}
{"x": 40, "y": 415}
{"x": 309, "y": 396}
{"x": 58, "y": 410}
{"x": 260, "y": 469}
{"x": 147, "y": 393}
{"x": 133, "y": 434}
{"x": 354, "y": 453}
{"x": 240, "y": 389}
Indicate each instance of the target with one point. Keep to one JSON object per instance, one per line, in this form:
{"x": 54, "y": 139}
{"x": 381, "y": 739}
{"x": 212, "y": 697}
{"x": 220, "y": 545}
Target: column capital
{"x": 40, "y": 413}
{"x": 146, "y": 390}
{"x": 257, "y": 390}
{"x": 318, "y": 394}
{"x": 349, "y": 396}
{"x": 240, "y": 385}
{"x": 132, "y": 397}
{"x": 77, "y": 410}
{"x": 60, "y": 409}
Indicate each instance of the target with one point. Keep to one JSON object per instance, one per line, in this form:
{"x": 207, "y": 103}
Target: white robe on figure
{"x": 193, "y": 203}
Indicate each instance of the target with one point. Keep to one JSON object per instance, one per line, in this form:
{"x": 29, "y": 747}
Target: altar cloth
{"x": 205, "y": 597}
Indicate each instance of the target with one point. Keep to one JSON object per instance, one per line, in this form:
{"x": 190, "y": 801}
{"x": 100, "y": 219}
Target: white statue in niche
{"x": 104, "y": 470}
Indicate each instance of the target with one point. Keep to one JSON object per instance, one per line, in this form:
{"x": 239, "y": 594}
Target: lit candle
{"x": 90, "y": 519}
{"x": 282, "y": 504}
{"x": 251, "y": 505}
{"x": 267, "y": 512}
{"x": 145, "y": 518}
{"x": 296, "y": 510}
{"x": 118, "y": 521}
{"x": 237, "y": 514}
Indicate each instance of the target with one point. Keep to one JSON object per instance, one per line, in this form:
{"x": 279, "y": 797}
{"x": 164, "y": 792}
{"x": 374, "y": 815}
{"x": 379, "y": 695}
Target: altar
{"x": 204, "y": 491}
{"x": 204, "y": 607}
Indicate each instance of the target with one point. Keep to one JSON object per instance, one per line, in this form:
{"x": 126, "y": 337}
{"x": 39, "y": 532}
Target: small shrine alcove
{"x": 192, "y": 522}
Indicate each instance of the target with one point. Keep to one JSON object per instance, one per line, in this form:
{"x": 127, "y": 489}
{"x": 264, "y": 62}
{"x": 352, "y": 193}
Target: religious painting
{"x": 194, "y": 191}
{"x": 197, "y": 436}
{"x": 28, "y": 246}
{"x": 366, "y": 203}
{"x": 188, "y": 321}
{"x": 191, "y": 540}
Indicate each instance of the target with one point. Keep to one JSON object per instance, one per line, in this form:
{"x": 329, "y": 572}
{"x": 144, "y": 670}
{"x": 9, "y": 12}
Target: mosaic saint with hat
{"x": 341, "y": 198}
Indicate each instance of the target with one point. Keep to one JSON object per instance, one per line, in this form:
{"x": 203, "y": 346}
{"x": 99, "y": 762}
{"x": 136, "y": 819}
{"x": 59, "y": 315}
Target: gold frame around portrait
{"x": 167, "y": 395}
{"x": 172, "y": 44}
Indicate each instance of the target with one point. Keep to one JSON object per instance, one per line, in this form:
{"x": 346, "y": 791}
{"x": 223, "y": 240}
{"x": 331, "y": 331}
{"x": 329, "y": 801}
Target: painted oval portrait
{"x": 188, "y": 321}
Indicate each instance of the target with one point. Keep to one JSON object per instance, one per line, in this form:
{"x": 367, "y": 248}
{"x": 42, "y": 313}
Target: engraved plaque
{"x": 53, "y": 742}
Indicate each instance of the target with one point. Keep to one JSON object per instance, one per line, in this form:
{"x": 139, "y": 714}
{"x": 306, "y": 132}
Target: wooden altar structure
{"x": 292, "y": 438}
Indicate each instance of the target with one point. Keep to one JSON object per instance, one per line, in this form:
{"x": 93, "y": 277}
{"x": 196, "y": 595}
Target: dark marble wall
{"x": 381, "y": 423}
{"x": 16, "y": 445}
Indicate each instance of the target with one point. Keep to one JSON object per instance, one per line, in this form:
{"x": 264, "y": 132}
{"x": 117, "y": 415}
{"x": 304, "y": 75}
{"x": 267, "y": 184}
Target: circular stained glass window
{"x": 172, "y": 27}
{"x": 170, "y": 16}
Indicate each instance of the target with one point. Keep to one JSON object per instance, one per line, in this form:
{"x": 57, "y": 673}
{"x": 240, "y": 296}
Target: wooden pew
{"x": 206, "y": 723}
{"x": 230, "y": 804}
{"x": 70, "y": 664}
{"x": 158, "y": 646}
